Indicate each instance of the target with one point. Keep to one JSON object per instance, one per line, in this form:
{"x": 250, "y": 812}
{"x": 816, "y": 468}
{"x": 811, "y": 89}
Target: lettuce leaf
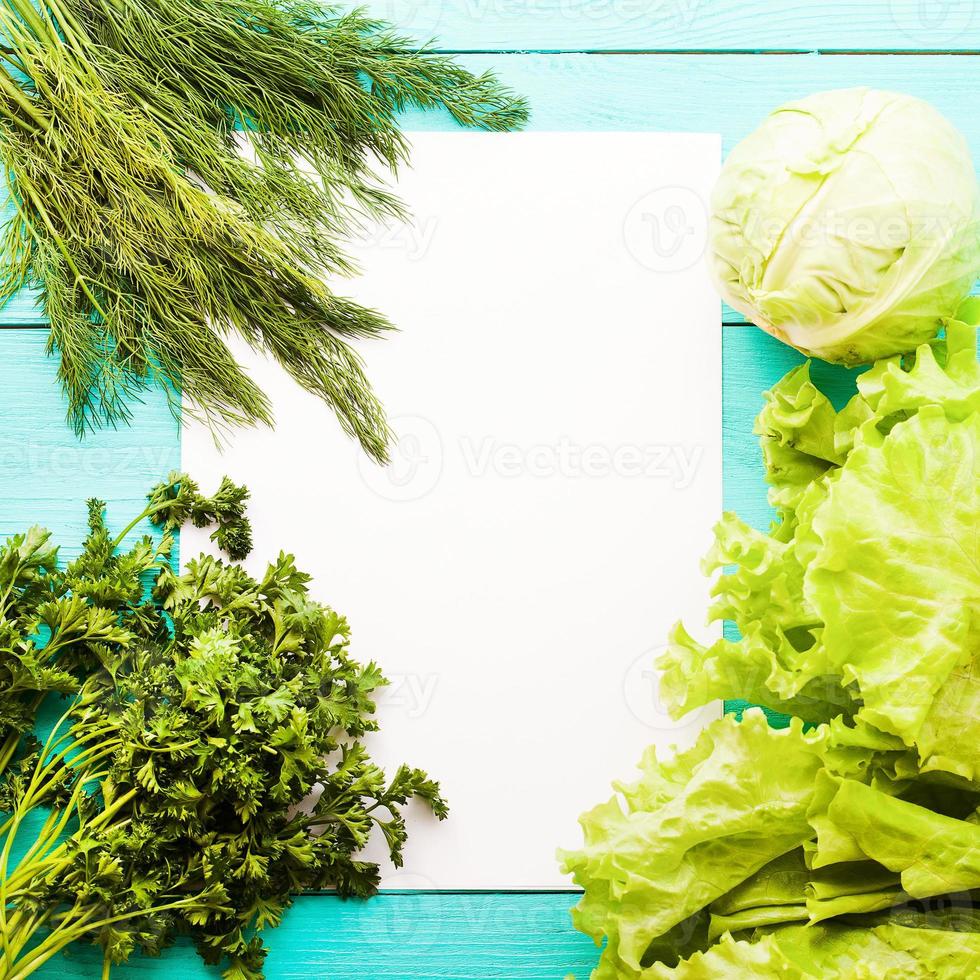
{"x": 847, "y": 845}
{"x": 731, "y": 960}
{"x": 863, "y": 601}
{"x": 890, "y": 951}
{"x": 934, "y": 854}
{"x": 896, "y": 578}
{"x": 883, "y": 952}
{"x": 689, "y": 830}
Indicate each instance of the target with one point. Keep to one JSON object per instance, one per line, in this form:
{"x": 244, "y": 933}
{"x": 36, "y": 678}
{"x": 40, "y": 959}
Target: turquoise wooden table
{"x": 697, "y": 65}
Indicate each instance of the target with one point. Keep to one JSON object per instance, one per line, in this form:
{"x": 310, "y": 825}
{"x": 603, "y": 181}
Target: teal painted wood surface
{"x": 391, "y": 937}
{"x": 688, "y": 25}
{"x": 44, "y": 473}
{"x": 47, "y": 473}
{"x": 727, "y": 94}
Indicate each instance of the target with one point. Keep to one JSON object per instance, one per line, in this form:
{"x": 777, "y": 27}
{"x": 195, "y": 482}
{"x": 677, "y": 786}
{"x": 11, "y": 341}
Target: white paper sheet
{"x": 556, "y": 390}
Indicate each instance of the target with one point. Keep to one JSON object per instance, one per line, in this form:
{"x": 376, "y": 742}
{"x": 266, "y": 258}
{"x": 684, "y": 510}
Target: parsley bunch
{"x": 209, "y": 764}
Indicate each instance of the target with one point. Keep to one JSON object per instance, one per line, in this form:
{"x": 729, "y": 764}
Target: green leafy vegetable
{"x": 862, "y": 601}
{"x": 859, "y": 951}
{"x": 210, "y": 763}
{"x": 184, "y": 171}
{"x": 845, "y": 845}
{"x": 831, "y": 232}
{"x": 691, "y": 830}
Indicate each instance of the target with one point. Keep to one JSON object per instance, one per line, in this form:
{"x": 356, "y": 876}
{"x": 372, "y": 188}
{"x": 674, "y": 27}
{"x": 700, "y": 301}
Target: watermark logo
{"x": 940, "y": 23}
{"x": 667, "y": 229}
{"x": 829, "y": 228}
{"x": 416, "y": 19}
{"x": 410, "y": 693}
{"x": 419, "y": 458}
{"x": 416, "y": 462}
{"x": 412, "y": 238}
{"x": 85, "y": 460}
{"x": 641, "y": 692}
{"x": 403, "y": 920}
{"x": 665, "y": 15}
{"x": 564, "y": 458}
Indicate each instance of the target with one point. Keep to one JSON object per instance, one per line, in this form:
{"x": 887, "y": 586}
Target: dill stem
{"x": 26, "y": 11}
{"x": 37, "y": 202}
{"x": 72, "y": 30}
{"x": 16, "y": 93}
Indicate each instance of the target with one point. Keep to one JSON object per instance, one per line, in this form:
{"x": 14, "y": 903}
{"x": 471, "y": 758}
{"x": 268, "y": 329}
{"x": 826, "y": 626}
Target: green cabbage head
{"x": 847, "y": 224}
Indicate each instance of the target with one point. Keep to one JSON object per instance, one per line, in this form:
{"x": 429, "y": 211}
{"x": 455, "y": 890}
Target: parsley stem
{"x": 60, "y": 937}
{"x": 149, "y": 512}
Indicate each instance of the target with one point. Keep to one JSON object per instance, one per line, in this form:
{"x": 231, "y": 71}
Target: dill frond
{"x": 184, "y": 170}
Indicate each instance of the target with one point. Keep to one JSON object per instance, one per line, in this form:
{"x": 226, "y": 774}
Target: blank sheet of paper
{"x": 555, "y": 388}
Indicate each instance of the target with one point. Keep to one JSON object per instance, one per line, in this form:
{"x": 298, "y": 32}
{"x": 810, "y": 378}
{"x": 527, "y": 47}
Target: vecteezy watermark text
{"x": 413, "y": 238}
{"x": 942, "y": 23}
{"x": 676, "y": 463}
{"x": 420, "y": 456}
{"x": 411, "y": 693}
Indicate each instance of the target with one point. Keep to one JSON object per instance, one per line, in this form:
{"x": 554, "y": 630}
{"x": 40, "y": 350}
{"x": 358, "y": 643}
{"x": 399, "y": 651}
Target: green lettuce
{"x": 688, "y": 831}
{"x": 848, "y": 844}
{"x": 863, "y": 600}
{"x": 887, "y": 951}
{"x": 934, "y": 854}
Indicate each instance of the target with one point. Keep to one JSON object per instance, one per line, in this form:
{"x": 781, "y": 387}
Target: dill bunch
{"x": 184, "y": 170}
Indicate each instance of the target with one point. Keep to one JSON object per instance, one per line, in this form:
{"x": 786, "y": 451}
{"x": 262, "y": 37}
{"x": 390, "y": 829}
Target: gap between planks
{"x": 700, "y": 52}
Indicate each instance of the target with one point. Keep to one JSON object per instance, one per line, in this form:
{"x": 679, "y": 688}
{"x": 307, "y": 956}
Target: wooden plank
{"x": 710, "y": 93}
{"x": 46, "y": 473}
{"x": 688, "y": 25}
{"x": 467, "y": 936}
{"x": 22, "y": 310}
